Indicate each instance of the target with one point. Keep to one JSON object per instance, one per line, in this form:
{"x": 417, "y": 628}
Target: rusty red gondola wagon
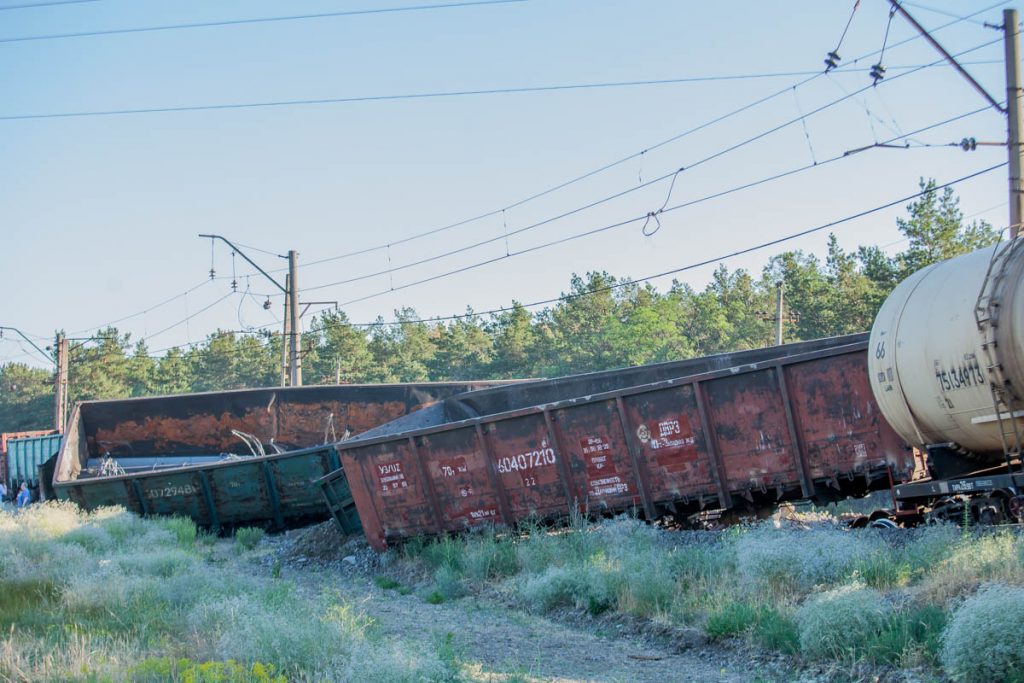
{"x": 742, "y": 429}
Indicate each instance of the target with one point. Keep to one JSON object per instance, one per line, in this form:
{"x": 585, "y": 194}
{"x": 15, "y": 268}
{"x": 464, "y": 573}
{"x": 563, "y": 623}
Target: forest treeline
{"x": 601, "y": 322}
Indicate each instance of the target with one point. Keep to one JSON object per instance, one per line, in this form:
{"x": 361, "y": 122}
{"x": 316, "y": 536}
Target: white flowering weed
{"x": 982, "y": 643}
{"x": 834, "y": 623}
{"x": 802, "y": 559}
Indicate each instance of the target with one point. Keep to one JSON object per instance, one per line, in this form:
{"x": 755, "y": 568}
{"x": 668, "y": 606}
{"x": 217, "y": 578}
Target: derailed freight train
{"x": 225, "y": 458}
{"x": 930, "y": 406}
{"x": 742, "y": 430}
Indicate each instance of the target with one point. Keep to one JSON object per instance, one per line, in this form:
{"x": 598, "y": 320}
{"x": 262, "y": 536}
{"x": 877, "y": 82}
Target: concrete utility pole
{"x": 286, "y": 338}
{"x": 60, "y": 390}
{"x": 293, "y": 313}
{"x": 1011, "y": 40}
{"x": 780, "y": 288}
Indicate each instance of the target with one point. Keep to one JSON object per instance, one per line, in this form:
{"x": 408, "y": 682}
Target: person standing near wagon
{"x": 24, "y": 495}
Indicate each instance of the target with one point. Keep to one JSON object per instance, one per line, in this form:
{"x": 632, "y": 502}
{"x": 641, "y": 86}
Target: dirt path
{"x": 499, "y": 643}
{"x": 507, "y": 641}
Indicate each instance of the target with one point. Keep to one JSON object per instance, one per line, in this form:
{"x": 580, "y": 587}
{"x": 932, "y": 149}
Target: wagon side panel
{"x": 749, "y": 418}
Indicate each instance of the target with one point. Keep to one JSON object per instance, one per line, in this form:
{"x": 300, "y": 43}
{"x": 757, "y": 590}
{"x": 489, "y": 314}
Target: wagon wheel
{"x": 1016, "y": 507}
{"x": 883, "y": 523}
{"x": 988, "y": 517}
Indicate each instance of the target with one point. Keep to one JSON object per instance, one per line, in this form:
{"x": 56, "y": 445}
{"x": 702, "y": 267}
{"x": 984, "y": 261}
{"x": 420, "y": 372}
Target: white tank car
{"x": 944, "y": 338}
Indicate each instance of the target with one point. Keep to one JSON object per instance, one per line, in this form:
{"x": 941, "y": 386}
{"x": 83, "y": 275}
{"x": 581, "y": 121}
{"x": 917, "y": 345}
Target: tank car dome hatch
{"x": 946, "y": 342}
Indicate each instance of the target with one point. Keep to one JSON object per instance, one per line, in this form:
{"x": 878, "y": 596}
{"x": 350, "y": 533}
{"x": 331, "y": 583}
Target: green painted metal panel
{"x": 275, "y": 491}
{"x": 24, "y": 456}
{"x": 340, "y": 503}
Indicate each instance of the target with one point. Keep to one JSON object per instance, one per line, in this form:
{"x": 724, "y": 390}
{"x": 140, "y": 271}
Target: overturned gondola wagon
{"x": 721, "y": 432}
{"x": 247, "y": 457}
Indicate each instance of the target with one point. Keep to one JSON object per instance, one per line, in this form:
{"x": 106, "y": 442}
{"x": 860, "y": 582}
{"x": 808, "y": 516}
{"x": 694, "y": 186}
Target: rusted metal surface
{"x": 178, "y": 455}
{"x": 788, "y": 422}
{"x": 293, "y": 418}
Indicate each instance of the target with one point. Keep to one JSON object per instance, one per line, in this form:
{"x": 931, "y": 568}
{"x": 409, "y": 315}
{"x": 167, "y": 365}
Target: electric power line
{"x": 560, "y": 241}
{"x": 191, "y": 316}
{"x": 673, "y": 175}
{"x": 718, "y": 259}
{"x": 144, "y": 311}
{"x": 944, "y": 13}
{"x": 608, "y": 166}
{"x": 611, "y": 226}
{"x": 690, "y": 266}
{"x": 258, "y": 20}
{"x": 51, "y": 3}
{"x": 421, "y": 96}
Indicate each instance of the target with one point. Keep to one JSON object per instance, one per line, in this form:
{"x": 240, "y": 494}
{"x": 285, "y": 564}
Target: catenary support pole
{"x": 1011, "y": 33}
{"x": 780, "y": 288}
{"x": 60, "y": 393}
{"x": 293, "y": 313}
{"x": 286, "y": 338}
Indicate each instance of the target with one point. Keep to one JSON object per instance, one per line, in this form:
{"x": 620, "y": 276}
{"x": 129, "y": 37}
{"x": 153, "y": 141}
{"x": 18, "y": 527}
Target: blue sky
{"x": 100, "y": 214}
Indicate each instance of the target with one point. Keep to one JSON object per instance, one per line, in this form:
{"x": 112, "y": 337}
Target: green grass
{"x": 884, "y": 570}
{"x": 827, "y": 592}
{"x": 109, "y": 597}
{"x": 731, "y": 619}
{"x": 386, "y": 583}
{"x": 909, "y": 638}
{"x": 247, "y": 538}
{"x": 161, "y": 669}
{"x": 776, "y": 630}
{"x": 87, "y": 594}
{"x": 764, "y": 625}
{"x": 183, "y": 528}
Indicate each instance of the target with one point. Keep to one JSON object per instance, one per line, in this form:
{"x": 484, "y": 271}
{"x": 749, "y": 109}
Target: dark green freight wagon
{"x": 227, "y": 459}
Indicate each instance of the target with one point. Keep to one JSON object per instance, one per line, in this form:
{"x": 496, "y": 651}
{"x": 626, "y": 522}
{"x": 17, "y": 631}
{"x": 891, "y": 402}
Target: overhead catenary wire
{"x": 420, "y": 96}
{"x": 188, "y": 291}
{"x": 636, "y": 219}
{"x": 944, "y": 13}
{"x": 630, "y": 221}
{"x": 618, "y": 162}
{"x": 594, "y": 231}
{"x": 706, "y": 262}
{"x": 999, "y": 3}
{"x": 722, "y": 152}
{"x": 185, "y": 320}
{"x": 258, "y": 20}
{"x": 745, "y": 186}
{"x": 675, "y": 271}
{"x": 50, "y": 3}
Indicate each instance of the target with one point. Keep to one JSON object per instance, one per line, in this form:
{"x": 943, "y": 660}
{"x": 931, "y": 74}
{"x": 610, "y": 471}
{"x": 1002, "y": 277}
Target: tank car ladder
{"x": 986, "y": 315}
{"x": 986, "y": 311}
{"x": 1009, "y": 430}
